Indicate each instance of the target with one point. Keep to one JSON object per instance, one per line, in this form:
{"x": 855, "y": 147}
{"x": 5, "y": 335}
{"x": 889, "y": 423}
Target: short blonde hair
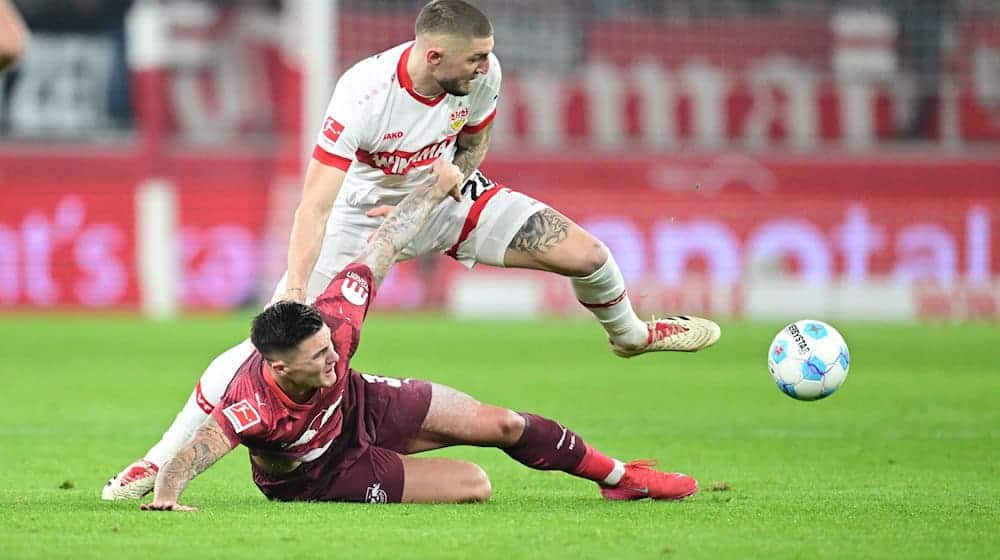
{"x": 453, "y": 17}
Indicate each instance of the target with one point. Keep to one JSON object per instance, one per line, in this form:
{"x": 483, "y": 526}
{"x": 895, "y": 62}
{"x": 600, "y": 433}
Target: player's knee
{"x": 468, "y": 483}
{"x": 499, "y": 426}
{"x": 476, "y": 484}
{"x": 510, "y": 426}
{"x": 591, "y": 258}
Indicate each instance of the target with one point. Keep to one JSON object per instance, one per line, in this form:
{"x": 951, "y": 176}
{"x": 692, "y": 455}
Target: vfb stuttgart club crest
{"x": 376, "y": 495}
{"x": 458, "y": 118}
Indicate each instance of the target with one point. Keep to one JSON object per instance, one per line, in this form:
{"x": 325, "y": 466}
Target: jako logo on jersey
{"x": 400, "y": 162}
{"x": 393, "y": 135}
{"x": 355, "y": 289}
{"x": 375, "y": 494}
{"x": 242, "y": 415}
{"x": 332, "y": 129}
{"x": 458, "y": 118}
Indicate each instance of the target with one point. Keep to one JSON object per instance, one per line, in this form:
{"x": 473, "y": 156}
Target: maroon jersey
{"x": 254, "y": 411}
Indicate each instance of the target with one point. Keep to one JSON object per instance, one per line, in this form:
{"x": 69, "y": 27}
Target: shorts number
{"x": 476, "y": 185}
{"x": 390, "y": 381}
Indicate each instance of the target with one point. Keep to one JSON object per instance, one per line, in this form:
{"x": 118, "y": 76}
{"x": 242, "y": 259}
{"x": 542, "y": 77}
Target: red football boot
{"x": 642, "y": 481}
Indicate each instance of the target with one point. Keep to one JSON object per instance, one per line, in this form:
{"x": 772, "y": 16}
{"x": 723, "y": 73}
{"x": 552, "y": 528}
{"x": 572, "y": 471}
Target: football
{"x": 808, "y": 360}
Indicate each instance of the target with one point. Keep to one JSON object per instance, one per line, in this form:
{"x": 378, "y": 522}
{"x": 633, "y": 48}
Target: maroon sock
{"x": 547, "y": 446}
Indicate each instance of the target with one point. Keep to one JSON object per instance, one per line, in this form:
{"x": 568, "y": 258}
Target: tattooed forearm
{"x": 208, "y": 446}
{"x": 468, "y": 158}
{"x": 543, "y": 231}
{"x": 398, "y": 229}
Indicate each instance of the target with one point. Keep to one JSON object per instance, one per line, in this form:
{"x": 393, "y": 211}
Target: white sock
{"x": 179, "y": 432}
{"x": 203, "y": 399}
{"x": 603, "y": 293}
{"x": 616, "y": 474}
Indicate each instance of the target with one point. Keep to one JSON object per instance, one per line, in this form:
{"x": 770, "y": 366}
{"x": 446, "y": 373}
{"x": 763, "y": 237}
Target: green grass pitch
{"x": 902, "y": 462}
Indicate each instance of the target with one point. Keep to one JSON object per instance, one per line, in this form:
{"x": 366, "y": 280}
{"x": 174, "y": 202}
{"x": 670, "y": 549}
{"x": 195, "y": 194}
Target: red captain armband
{"x": 332, "y": 160}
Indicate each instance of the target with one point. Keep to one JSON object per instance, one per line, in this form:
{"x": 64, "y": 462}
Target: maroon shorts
{"x": 381, "y": 416}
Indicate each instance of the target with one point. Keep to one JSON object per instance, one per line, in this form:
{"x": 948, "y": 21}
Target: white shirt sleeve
{"x": 483, "y": 105}
{"x": 343, "y": 127}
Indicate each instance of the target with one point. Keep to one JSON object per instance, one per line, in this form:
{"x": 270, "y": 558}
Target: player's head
{"x": 455, "y": 40}
{"x": 296, "y": 343}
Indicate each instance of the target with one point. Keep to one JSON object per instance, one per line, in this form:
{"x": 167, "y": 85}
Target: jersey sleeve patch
{"x": 241, "y": 415}
{"x": 332, "y": 129}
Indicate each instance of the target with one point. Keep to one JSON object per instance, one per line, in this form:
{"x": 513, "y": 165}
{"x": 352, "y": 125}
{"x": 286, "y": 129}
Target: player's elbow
{"x": 11, "y": 49}
{"x": 13, "y": 38}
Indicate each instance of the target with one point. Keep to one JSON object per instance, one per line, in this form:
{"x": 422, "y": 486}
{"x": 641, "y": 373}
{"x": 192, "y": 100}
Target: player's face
{"x": 312, "y": 364}
{"x": 462, "y": 61}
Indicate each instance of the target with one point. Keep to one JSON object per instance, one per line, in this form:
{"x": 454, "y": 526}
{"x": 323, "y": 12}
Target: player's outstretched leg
{"x": 547, "y": 445}
{"x": 137, "y": 479}
{"x": 455, "y": 418}
{"x": 550, "y": 241}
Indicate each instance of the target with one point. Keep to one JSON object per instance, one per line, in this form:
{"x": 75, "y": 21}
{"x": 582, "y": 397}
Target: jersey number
{"x": 476, "y": 185}
{"x": 390, "y": 381}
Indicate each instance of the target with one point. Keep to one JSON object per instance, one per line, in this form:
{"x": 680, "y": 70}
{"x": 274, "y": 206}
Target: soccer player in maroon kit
{"x": 319, "y": 431}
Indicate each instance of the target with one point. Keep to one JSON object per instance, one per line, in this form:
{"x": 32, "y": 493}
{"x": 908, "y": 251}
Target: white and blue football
{"x": 808, "y": 360}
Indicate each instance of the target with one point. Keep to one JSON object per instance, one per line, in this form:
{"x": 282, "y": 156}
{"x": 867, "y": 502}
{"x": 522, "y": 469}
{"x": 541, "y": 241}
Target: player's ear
{"x": 434, "y": 56}
{"x": 279, "y": 367}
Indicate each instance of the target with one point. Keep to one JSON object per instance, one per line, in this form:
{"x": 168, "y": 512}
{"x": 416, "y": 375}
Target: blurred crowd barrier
{"x": 897, "y": 237}
{"x": 742, "y": 158}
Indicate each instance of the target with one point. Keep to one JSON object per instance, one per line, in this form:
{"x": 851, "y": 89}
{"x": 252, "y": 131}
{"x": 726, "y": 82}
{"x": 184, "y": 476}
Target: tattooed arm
{"x": 472, "y": 150}
{"x": 208, "y": 446}
{"x": 406, "y": 220}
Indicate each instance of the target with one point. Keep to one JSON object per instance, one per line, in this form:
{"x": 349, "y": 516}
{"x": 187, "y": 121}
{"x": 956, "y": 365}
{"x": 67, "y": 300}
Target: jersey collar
{"x": 285, "y": 399}
{"x": 406, "y": 82}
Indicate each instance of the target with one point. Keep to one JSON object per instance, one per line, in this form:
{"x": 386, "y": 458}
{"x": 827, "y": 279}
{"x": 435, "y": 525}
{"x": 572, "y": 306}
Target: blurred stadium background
{"x": 755, "y": 161}
{"x": 748, "y": 159}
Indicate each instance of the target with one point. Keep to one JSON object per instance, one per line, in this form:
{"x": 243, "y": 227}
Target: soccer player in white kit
{"x": 390, "y": 117}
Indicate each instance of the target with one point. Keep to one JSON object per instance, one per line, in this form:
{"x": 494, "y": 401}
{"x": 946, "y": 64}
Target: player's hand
{"x": 380, "y": 211}
{"x": 166, "y": 505}
{"x": 448, "y": 178}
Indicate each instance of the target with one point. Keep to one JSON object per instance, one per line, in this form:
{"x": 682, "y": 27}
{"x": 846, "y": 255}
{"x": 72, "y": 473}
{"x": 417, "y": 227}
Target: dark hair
{"x": 283, "y": 325}
{"x": 453, "y": 17}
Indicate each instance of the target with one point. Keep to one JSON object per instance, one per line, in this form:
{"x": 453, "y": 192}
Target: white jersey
{"x": 385, "y": 135}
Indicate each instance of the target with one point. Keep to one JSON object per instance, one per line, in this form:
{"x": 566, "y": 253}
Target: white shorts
{"x": 477, "y": 230}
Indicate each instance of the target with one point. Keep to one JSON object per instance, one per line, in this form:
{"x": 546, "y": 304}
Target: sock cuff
{"x": 524, "y": 433}
{"x": 604, "y": 287}
{"x": 616, "y": 474}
